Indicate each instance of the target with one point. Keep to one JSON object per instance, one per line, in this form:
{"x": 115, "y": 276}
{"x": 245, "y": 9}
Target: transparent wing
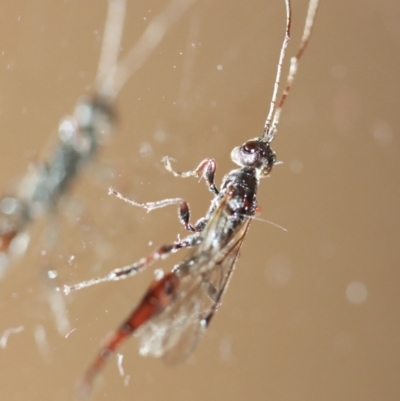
{"x": 175, "y": 333}
{"x": 163, "y": 332}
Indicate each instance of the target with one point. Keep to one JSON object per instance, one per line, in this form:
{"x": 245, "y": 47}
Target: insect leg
{"x": 130, "y": 270}
{"x": 216, "y": 297}
{"x": 206, "y": 169}
{"x": 216, "y": 289}
{"x": 183, "y": 213}
{"x": 158, "y": 297}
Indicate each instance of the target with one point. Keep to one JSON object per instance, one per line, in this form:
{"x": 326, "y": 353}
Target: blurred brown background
{"x": 311, "y": 313}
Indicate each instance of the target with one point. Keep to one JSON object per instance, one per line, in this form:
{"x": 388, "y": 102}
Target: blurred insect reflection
{"x": 80, "y": 136}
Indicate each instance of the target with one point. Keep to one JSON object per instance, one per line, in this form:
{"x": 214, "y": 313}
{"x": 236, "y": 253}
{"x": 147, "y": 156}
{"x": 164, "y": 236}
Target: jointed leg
{"x": 183, "y": 214}
{"x": 130, "y": 270}
{"x": 216, "y": 297}
{"x": 206, "y": 169}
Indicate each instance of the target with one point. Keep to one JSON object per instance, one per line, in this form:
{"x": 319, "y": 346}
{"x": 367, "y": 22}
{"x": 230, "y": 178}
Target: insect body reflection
{"x": 178, "y": 306}
{"x": 43, "y": 186}
{"x": 81, "y": 135}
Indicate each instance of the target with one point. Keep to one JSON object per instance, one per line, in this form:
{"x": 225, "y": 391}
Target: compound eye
{"x": 250, "y": 147}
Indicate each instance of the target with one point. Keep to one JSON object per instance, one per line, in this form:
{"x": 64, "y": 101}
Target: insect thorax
{"x": 240, "y": 186}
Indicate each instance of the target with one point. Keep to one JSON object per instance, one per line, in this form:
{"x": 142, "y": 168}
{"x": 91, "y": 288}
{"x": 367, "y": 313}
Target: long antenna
{"x": 285, "y": 43}
{"x": 149, "y": 40}
{"x": 110, "y": 47}
{"x": 112, "y": 75}
{"x": 270, "y": 130}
